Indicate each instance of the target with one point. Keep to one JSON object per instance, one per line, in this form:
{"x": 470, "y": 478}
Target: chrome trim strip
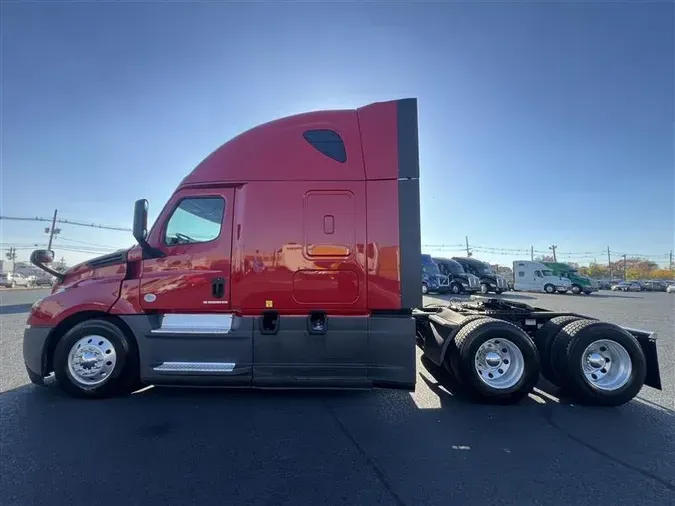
{"x": 195, "y": 324}
{"x": 195, "y": 367}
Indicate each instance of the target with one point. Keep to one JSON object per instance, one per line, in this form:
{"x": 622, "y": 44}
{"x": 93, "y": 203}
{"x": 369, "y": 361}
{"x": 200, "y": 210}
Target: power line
{"x": 68, "y": 222}
{"x": 88, "y": 243}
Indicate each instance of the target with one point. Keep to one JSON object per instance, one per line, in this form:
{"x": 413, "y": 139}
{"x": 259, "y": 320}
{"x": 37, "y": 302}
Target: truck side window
{"x": 195, "y": 220}
{"x": 521, "y": 274}
{"x": 537, "y": 273}
{"x": 328, "y": 142}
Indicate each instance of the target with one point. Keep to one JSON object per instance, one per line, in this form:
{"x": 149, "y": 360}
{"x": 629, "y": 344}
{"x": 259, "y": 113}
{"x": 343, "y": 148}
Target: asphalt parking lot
{"x": 186, "y": 446}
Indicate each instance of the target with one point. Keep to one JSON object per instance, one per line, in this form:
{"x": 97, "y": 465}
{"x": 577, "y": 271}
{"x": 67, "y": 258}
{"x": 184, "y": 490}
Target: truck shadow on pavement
{"x": 613, "y": 296}
{"x": 15, "y": 308}
{"x": 330, "y": 447}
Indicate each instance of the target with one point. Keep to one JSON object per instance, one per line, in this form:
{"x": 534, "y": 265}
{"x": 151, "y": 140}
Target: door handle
{"x": 218, "y": 288}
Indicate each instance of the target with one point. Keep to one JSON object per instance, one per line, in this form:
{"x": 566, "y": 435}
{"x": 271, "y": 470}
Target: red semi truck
{"x": 290, "y": 257}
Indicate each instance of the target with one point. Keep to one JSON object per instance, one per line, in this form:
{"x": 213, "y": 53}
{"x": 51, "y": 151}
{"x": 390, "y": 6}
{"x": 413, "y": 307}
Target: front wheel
{"x": 484, "y": 288}
{"x": 425, "y": 289}
{"x": 95, "y": 359}
{"x": 456, "y": 288}
{"x": 576, "y": 289}
{"x": 495, "y": 360}
{"x": 549, "y": 288}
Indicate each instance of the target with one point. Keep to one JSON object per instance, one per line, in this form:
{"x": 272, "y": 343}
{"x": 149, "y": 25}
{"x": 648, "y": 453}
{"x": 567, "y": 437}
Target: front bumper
{"x": 563, "y": 288}
{"x": 34, "y": 343}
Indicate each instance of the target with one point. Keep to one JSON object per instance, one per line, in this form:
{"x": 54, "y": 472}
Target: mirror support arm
{"x": 34, "y": 259}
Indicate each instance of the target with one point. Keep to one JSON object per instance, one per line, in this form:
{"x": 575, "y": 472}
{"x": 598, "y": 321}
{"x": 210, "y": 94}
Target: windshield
{"x": 454, "y": 267}
{"x": 429, "y": 266}
{"x": 485, "y": 270}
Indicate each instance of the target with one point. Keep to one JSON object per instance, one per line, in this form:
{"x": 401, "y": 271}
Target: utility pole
{"x": 624, "y": 267}
{"x": 609, "y": 263}
{"x": 11, "y": 256}
{"x": 52, "y": 230}
{"x": 552, "y": 248}
{"x": 468, "y": 252}
{"x": 532, "y": 253}
{"x": 670, "y": 263}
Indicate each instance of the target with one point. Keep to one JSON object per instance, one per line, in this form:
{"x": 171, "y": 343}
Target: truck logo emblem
{"x": 269, "y": 303}
{"x": 149, "y": 297}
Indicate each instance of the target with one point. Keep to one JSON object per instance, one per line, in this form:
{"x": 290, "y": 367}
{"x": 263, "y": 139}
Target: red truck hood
{"x": 113, "y": 265}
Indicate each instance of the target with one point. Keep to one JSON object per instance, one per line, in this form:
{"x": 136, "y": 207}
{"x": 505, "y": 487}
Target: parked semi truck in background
{"x": 290, "y": 257}
{"x": 460, "y": 281}
{"x": 490, "y": 281}
{"x": 432, "y": 278}
{"x": 579, "y": 284}
{"x": 536, "y": 277}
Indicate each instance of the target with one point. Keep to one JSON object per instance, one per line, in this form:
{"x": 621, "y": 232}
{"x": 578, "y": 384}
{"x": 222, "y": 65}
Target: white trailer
{"x": 536, "y": 277}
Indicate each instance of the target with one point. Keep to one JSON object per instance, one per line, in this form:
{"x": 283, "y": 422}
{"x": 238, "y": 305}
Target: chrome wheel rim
{"x": 606, "y": 365}
{"x": 484, "y": 289}
{"x": 499, "y": 363}
{"x": 91, "y": 360}
{"x": 425, "y": 290}
{"x": 549, "y": 289}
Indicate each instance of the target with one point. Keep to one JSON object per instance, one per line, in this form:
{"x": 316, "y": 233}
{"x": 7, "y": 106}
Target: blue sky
{"x": 540, "y": 123}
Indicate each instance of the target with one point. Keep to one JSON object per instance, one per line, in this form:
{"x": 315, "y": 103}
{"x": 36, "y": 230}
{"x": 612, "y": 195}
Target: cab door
{"x": 194, "y": 233}
{"x": 537, "y": 281}
{"x": 186, "y": 293}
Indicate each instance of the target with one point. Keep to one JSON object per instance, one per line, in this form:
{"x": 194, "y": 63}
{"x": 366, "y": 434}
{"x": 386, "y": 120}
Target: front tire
{"x": 425, "y": 289}
{"x": 601, "y": 363}
{"x": 456, "y": 288}
{"x": 549, "y": 288}
{"x": 576, "y": 289}
{"x": 95, "y": 359}
{"x": 495, "y": 360}
{"x": 484, "y": 289}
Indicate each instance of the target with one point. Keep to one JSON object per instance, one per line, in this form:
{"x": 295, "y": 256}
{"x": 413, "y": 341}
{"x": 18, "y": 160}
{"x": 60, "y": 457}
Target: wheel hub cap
{"x": 606, "y": 365}
{"x": 499, "y": 363}
{"x": 91, "y": 360}
{"x": 595, "y": 360}
{"x": 493, "y": 359}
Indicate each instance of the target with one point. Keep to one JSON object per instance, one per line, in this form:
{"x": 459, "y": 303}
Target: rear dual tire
{"x": 495, "y": 361}
{"x": 597, "y": 363}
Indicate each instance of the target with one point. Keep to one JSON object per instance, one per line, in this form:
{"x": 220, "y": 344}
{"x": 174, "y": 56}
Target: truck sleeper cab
{"x": 290, "y": 257}
{"x": 460, "y": 280}
{"x": 277, "y": 262}
{"x": 489, "y": 280}
{"x": 579, "y": 284}
{"x": 433, "y": 280}
{"x": 536, "y": 277}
